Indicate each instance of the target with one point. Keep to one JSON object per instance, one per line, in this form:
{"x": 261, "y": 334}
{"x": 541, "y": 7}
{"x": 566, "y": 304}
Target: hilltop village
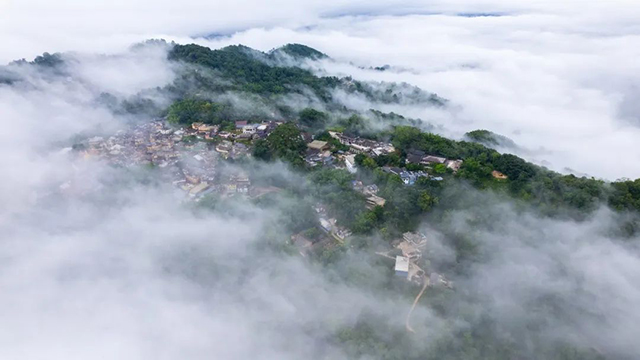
{"x": 189, "y": 157}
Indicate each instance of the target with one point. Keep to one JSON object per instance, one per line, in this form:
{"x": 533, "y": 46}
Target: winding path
{"x": 425, "y": 280}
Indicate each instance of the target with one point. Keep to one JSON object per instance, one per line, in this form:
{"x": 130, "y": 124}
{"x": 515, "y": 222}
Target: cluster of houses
{"x": 189, "y": 166}
{"x": 318, "y": 153}
{"x": 410, "y": 177}
{"x": 370, "y": 192}
{"x": 244, "y": 130}
{"x": 359, "y": 145}
{"x": 420, "y": 157}
{"x": 151, "y": 143}
{"x": 329, "y": 225}
{"x": 329, "y": 229}
{"x": 407, "y": 265}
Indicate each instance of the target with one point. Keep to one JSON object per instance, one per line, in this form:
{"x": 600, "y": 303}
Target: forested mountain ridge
{"x": 261, "y": 73}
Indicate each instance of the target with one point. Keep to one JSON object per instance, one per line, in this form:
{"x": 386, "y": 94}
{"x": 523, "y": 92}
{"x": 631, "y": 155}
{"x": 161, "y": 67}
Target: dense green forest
{"x": 260, "y": 73}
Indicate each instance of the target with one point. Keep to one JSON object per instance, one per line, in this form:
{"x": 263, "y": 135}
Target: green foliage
{"x": 625, "y": 195}
{"x": 261, "y": 150}
{"x": 426, "y": 201}
{"x": 392, "y": 159}
{"x": 369, "y": 220}
{"x": 439, "y": 169}
{"x": 333, "y": 186}
{"x": 300, "y": 51}
{"x": 251, "y": 72}
{"x": 335, "y": 143}
{"x": 369, "y": 163}
{"x": 549, "y": 191}
{"x": 355, "y": 125}
{"x": 284, "y": 143}
{"x": 313, "y": 119}
{"x": 188, "y": 111}
{"x": 489, "y": 138}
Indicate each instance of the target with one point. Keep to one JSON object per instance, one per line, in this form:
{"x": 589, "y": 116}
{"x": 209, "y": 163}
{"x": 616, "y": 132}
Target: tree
{"x": 426, "y": 201}
{"x": 313, "y": 118}
{"x": 440, "y": 169}
{"x": 261, "y": 150}
{"x": 189, "y": 110}
{"x": 369, "y": 163}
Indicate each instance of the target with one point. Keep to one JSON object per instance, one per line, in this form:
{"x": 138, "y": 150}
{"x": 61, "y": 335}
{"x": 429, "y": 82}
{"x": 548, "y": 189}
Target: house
{"x": 416, "y": 239}
{"x": 245, "y": 136}
{"x": 325, "y": 225}
{"x": 383, "y": 149}
{"x": 402, "y": 266}
{"x": 238, "y": 150}
{"x": 415, "y": 157}
{"x": 371, "y": 189}
{"x": 206, "y": 129}
{"x": 224, "y": 147}
{"x": 454, "y": 165}
{"x": 498, "y": 175}
{"x": 408, "y": 177}
{"x": 240, "y": 124}
{"x": 374, "y": 200}
{"x": 318, "y": 145}
{"x": 249, "y": 129}
{"x": 326, "y": 158}
{"x": 430, "y": 159}
{"x": 409, "y": 251}
{"x": 341, "y": 233}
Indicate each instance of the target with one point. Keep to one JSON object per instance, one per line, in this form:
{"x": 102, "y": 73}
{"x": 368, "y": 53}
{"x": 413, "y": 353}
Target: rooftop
{"x": 317, "y": 145}
{"x": 402, "y": 264}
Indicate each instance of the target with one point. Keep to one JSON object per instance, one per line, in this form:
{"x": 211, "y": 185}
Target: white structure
{"x": 350, "y": 162}
{"x": 326, "y": 225}
{"x": 402, "y": 266}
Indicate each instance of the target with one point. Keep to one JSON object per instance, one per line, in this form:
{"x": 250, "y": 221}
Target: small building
{"x": 430, "y": 159}
{"x": 318, "y": 145}
{"x": 498, "y": 175}
{"x": 454, "y": 165}
{"x": 250, "y": 129}
{"x": 240, "y": 124}
{"x": 402, "y": 266}
{"x": 374, "y": 200}
{"x": 416, "y": 239}
{"x": 415, "y": 157}
{"x": 325, "y": 225}
{"x": 224, "y": 147}
{"x": 245, "y": 136}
